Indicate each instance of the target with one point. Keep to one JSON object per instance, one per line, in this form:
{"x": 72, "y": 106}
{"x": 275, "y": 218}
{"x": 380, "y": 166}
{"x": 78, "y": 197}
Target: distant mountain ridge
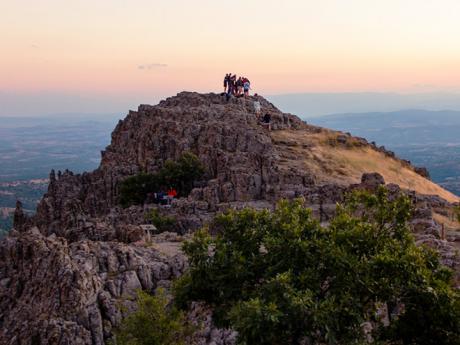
{"x": 308, "y": 105}
{"x": 428, "y": 138}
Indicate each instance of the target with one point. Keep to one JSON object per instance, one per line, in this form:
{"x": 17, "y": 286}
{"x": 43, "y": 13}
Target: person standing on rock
{"x": 257, "y": 107}
{"x": 246, "y": 87}
{"x": 233, "y": 82}
{"x": 239, "y": 86}
{"x": 226, "y": 80}
{"x": 231, "y": 87}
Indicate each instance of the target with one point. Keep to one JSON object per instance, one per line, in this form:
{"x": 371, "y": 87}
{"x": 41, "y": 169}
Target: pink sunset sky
{"x": 125, "y": 52}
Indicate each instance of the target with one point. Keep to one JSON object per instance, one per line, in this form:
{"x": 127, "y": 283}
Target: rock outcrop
{"x": 66, "y": 271}
{"x": 235, "y": 149}
{"x": 56, "y": 292}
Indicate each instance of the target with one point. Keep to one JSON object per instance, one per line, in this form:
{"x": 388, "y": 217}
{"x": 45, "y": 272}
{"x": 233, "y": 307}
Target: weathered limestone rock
{"x": 236, "y": 151}
{"x": 19, "y": 219}
{"x": 372, "y": 181}
{"x": 422, "y": 171}
{"x": 56, "y": 292}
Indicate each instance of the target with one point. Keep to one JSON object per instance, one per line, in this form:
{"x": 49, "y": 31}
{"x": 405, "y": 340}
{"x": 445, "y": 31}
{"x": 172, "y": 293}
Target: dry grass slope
{"x": 330, "y": 160}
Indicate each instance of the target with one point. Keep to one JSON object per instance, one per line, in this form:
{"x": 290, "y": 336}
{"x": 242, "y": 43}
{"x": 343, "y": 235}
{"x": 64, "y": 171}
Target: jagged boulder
{"x": 372, "y": 181}
{"x": 20, "y": 219}
{"x": 422, "y": 171}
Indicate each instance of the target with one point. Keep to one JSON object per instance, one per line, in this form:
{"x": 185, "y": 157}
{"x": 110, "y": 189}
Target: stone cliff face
{"x": 236, "y": 151}
{"x": 63, "y": 271}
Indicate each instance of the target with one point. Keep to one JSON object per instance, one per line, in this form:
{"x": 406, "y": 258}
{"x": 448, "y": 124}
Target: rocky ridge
{"x": 96, "y": 254}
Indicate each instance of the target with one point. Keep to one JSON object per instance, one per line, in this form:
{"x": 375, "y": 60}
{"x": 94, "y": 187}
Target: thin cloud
{"x": 152, "y": 66}
{"x": 424, "y": 86}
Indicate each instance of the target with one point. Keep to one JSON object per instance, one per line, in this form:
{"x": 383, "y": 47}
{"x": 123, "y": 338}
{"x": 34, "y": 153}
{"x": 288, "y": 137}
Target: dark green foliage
{"x": 161, "y": 222}
{"x": 180, "y": 174}
{"x": 457, "y": 212}
{"x": 154, "y": 323}
{"x": 280, "y": 278}
{"x": 134, "y": 190}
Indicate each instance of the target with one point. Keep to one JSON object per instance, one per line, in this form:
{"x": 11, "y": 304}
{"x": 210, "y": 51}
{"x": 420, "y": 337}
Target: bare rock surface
{"x": 56, "y": 292}
{"x": 237, "y": 152}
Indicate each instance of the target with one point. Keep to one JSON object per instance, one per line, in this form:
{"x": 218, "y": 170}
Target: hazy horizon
{"x": 109, "y": 56}
{"x": 305, "y": 105}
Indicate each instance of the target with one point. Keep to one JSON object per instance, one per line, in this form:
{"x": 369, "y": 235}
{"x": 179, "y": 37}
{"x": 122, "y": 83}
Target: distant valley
{"x": 426, "y": 138}
{"x": 31, "y": 147}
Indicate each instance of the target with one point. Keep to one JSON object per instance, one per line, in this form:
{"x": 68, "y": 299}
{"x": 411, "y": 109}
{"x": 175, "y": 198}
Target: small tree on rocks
{"x": 154, "y": 323}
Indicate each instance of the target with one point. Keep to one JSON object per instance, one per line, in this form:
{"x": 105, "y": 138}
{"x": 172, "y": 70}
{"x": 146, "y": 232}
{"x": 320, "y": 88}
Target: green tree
{"x": 161, "y": 222}
{"x": 134, "y": 189}
{"x": 154, "y": 323}
{"x": 281, "y": 278}
{"x": 180, "y": 174}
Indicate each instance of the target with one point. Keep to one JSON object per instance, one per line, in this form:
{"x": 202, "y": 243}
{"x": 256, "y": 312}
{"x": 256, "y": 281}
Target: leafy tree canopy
{"x": 282, "y": 278}
{"x": 154, "y": 323}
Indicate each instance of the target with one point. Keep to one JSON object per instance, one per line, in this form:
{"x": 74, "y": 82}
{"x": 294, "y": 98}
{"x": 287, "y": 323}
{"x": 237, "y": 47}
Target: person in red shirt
{"x": 172, "y": 193}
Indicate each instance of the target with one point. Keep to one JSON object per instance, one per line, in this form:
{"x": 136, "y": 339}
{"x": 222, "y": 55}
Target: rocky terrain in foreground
{"x": 68, "y": 274}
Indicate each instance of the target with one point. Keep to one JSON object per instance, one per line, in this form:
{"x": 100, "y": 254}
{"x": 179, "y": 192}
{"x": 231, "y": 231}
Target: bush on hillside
{"x": 154, "y": 323}
{"x": 282, "y": 278}
{"x": 180, "y": 174}
{"x": 457, "y": 212}
{"x": 134, "y": 189}
{"x": 161, "y": 222}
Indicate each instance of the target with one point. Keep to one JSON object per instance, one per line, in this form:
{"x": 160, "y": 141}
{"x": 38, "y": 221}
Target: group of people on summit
{"x": 237, "y": 87}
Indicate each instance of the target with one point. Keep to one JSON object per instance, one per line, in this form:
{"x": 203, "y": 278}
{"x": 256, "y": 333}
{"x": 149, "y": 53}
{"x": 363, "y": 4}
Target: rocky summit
{"x": 68, "y": 274}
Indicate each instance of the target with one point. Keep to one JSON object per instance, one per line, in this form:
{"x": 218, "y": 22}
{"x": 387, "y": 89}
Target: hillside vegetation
{"x": 330, "y": 160}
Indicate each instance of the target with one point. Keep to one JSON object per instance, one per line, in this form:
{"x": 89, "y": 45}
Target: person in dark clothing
{"x": 233, "y": 83}
{"x": 226, "y": 79}
{"x": 229, "y": 92}
{"x": 266, "y": 121}
{"x": 239, "y": 86}
{"x": 231, "y": 86}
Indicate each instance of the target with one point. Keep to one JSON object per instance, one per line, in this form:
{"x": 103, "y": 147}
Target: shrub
{"x": 154, "y": 323}
{"x": 180, "y": 174}
{"x": 161, "y": 222}
{"x": 457, "y": 212}
{"x": 134, "y": 189}
{"x": 282, "y": 278}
